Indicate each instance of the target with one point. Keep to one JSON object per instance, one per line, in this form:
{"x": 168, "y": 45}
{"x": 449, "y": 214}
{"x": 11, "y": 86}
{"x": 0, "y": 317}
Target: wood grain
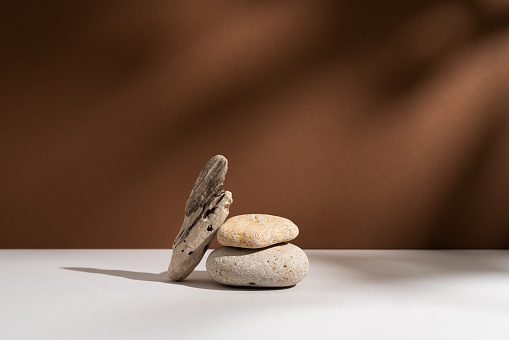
{"x": 206, "y": 210}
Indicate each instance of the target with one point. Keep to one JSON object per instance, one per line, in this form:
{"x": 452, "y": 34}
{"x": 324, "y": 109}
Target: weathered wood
{"x": 206, "y": 210}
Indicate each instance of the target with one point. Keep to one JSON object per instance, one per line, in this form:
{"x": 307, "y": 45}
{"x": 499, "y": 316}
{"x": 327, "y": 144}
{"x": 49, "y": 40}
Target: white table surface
{"x": 348, "y": 294}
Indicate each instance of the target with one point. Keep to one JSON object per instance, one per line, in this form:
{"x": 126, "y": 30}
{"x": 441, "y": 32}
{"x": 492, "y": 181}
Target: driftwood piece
{"x": 206, "y": 210}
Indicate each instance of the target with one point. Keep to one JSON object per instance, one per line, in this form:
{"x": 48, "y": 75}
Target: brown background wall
{"x": 370, "y": 125}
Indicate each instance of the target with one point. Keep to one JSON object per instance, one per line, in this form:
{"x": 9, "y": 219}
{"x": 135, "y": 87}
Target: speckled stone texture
{"x": 280, "y": 265}
{"x": 256, "y": 231}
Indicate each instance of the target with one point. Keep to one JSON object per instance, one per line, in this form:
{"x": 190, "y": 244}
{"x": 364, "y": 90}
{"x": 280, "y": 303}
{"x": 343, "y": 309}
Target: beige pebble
{"x": 279, "y": 265}
{"x": 256, "y": 231}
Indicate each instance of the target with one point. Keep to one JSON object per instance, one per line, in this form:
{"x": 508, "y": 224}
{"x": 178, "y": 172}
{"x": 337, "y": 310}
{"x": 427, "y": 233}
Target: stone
{"x": 280, "y": 265}
{"x": 256, "y": 231}
{"x": 206, "y": 210}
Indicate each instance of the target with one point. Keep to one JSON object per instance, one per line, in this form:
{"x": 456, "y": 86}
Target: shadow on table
{"x": 390, "y": 265}
{"x": 197, "y": 279}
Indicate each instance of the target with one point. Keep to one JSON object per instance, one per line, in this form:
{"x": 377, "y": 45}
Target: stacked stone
{"x": 255, "y": 253}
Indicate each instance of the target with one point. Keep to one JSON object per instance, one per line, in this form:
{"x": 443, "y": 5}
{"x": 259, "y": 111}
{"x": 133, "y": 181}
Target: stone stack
{"x": 255, "y": 253}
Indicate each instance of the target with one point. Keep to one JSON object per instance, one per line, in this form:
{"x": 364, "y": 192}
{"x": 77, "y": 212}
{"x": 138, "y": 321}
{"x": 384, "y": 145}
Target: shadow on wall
{"x": 369, "y": 125}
